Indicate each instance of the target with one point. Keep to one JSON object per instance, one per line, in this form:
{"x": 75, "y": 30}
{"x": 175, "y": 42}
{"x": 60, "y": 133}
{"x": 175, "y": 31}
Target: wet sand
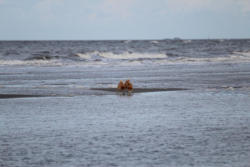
{"x": 8, "y": 96}
{"x": 114, "y": 90}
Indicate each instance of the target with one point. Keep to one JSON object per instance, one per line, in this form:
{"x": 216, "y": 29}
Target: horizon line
{"x": 149, "y": 39}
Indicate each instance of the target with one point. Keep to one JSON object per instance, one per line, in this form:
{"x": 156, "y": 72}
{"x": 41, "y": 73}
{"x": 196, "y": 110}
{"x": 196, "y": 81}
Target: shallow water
{"x": 78, "y": 80}
{"x": 184, "y": 128}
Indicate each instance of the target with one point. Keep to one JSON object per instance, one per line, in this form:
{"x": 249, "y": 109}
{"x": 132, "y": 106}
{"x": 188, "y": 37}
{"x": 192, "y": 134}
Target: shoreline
{"x": 114, "y": 90}
{"x": 9, "y": 96}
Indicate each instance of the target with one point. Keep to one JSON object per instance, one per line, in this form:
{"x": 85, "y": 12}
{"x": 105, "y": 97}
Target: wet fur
{"x": 125, "y": 86}
{"x": 120, "y": 86}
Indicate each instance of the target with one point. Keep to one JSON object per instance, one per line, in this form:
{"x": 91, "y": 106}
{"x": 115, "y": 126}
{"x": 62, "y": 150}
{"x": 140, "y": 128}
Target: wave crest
{"x": 128, "y": 59}
{"x": 125, "y": 55}
{"x": 30, "y": 62}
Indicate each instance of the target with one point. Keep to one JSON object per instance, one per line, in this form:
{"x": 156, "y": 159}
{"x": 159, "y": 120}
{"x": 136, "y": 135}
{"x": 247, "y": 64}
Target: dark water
{"x": 52, "y": 116}
{"x": 123, "y": 52}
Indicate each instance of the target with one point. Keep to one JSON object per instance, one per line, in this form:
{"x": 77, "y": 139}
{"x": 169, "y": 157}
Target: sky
{"x": 123, "y": 19}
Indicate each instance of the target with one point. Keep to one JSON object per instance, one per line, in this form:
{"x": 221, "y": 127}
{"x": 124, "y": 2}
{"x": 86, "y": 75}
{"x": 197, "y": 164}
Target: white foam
{"x": 126, "y": 55}
{"x": 84, "y": 56}
{"x": 187, "y": 41}
{"x": 137, "y": 59}
{"x": 154, "y": 42}
{"x": 29, "y": 62}
{"x": 236, "y": 57}
{"x": 245, "y": 54}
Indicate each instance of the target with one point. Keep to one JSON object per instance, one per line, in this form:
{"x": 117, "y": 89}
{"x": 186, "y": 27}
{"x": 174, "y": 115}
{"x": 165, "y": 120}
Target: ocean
{"x": 122, "y": 53}
{"x": 190, "y": 105}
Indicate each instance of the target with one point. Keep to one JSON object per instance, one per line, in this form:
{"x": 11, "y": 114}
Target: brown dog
{"x": 120, "y": 86}
{"x": 128, "y": 85}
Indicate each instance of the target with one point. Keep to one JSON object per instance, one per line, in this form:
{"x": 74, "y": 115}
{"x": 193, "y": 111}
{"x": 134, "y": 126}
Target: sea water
{"x": 64, "y": 122}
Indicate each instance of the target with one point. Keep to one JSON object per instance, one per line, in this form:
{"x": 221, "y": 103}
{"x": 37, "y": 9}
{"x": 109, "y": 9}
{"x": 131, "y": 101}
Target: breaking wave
{"x": 121, "y": 56}
{"x": 126, "y": 59}
{"x": 236, "y": 57}
{"x": 30, "y": 62}
{"x": 154, "y": 42}
{"x": 43, "y": 57}
{"x": 83, "y": 56}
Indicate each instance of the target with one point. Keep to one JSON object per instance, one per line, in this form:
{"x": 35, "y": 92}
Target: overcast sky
{"x": 123, "y": 19}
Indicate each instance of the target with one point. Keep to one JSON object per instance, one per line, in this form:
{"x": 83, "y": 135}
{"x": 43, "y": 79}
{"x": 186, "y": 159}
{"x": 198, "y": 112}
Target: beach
{"x": 183, "y": 111}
